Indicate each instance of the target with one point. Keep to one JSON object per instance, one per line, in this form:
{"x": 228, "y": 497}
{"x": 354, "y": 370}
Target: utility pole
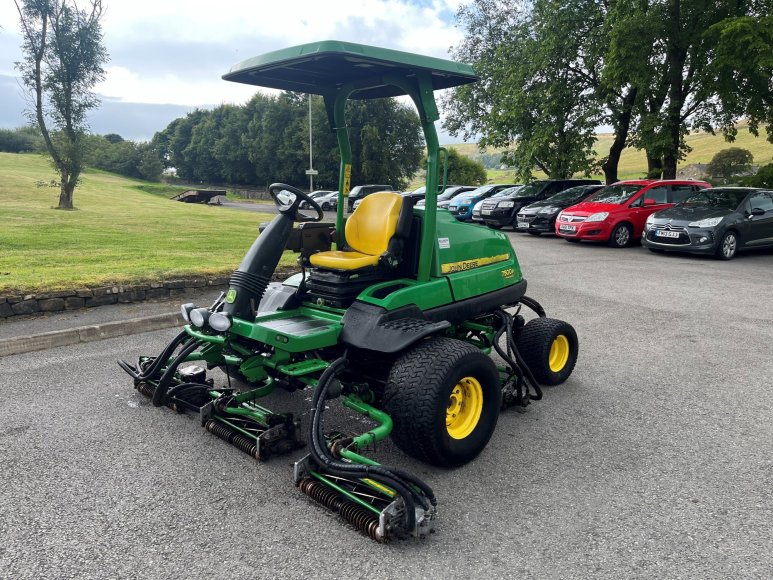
{"x": 311, "y": 171}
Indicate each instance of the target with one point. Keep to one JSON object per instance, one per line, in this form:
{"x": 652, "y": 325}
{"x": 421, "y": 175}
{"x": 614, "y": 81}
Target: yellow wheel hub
{"x": 465, "y": 406}
{"x": 559, "y": 353}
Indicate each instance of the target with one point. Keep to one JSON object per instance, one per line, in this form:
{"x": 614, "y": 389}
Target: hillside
{"x": 117, "y": 234}
{"x": 633, "y": 163}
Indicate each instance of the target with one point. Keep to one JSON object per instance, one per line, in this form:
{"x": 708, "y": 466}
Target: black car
{"x": 720, "y": 221}
{"x": 502, "y": 211}
{"x": 540, "y": 217}
{"x": 362, "y": 191}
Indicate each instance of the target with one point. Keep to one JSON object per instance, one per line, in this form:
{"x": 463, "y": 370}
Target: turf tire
{"x": 534, "y": 343}
{"x": 417, "y": 393}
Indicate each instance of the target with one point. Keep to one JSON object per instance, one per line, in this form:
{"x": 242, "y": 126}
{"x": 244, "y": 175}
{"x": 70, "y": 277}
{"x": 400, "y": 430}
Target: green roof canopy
{"x": 320, "y": 67}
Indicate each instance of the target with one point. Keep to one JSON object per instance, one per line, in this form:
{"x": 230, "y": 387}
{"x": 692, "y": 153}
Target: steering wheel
{"x": 289, "y": 207}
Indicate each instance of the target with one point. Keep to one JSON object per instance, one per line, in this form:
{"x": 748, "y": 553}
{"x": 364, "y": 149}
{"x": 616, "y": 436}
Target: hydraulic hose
{"x": 383, "y": 475}
{"x": 387, "y": 471}
{"x": 159, "y": 394}
{"x": 158, "y": 363}
{"x": 508, "y": 324}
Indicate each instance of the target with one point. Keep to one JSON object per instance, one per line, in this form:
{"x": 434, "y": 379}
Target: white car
{"x": 476, "y": 216}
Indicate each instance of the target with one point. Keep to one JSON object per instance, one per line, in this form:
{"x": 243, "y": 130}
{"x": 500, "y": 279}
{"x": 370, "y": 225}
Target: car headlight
{"x": 706, "y": 223}
{"x": 546, "y": 210}
{"x": 219, "y": 321}
{"x": 199, "y": 316}
{"x": 505, "y": 204}
{"x": 560, "y": 215}
{"x": 650, "y": 219}
{"x": 598, "y": 217}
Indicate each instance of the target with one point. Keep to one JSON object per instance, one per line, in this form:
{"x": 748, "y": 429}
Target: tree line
{"x": 267, "y": 140}
{"x": 653, "y": 70}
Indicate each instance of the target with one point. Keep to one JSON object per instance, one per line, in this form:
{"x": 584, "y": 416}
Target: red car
{"x": 616, "y": 213}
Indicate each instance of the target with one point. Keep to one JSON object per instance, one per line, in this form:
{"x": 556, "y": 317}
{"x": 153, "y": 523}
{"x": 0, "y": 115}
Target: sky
{"x": 167, "y": 56}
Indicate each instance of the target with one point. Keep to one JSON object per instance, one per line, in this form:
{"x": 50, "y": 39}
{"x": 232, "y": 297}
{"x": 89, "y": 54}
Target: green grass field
{"x": 123, "y": 231}
{"x": 633, "y": 163}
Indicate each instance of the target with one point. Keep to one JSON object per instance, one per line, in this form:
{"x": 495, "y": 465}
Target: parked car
{"x": 477, "y": 216}
{"x": 361, "y": 191}
{"x": 540, "y": 217}
{"x": 318, "y": 197}
{"x": 451, "y": 191}
{"x": 719, "y": 221}
{"x": 504, "y": 212}
{"x": 616, "y": 213}
{"x": 461, "y": 205}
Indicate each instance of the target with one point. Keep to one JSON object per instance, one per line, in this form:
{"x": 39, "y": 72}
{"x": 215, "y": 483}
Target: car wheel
{"x": 621, "y": 236}
{"x": 728, "y": 246}
{"x": 325, "y": 206}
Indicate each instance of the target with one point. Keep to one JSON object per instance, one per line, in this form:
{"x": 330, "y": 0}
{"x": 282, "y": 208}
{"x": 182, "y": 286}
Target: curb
{"x": 81, "y": 334}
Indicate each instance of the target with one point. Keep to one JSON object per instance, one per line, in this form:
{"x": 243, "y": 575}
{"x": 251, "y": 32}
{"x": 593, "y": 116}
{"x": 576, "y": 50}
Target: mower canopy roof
{"x": 322, "y": 67}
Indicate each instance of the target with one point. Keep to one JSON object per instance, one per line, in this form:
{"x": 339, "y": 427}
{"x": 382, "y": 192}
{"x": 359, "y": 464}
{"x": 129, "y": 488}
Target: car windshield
{"x": 568, "y": 194}
{"x": 475, "y": 192}
{"x": 529, "y": 190}
{"x": 618, "y": 194}
{"x": 716, "y": 198}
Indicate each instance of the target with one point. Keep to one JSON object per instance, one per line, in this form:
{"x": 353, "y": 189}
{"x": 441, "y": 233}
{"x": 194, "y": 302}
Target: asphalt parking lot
{"x": 655, "y": 459}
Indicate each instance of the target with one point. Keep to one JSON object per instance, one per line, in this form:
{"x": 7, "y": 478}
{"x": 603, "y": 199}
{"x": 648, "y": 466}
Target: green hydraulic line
{"x": 356, "y": 457}
{"x": 344, "y": 492}
{"x": 201, "y": 336}
{"x": 377, "y": 433}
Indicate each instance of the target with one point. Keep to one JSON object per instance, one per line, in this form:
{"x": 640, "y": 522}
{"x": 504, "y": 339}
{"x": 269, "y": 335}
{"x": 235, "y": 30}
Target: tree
{"x": 763, "y": 178}
{"x": 729, "y": 162}
{"x": 529, "y": 98}
{"x": 63, "y": 55}
{"x": 461, "y": 169}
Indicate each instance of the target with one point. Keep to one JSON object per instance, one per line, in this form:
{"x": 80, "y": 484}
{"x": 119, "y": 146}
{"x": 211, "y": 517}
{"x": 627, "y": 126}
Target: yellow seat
{"x": 367, "y": 231}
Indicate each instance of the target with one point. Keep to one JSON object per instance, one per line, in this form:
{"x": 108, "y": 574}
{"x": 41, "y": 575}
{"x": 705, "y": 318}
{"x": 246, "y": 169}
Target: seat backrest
{"x": 373, "y": 223}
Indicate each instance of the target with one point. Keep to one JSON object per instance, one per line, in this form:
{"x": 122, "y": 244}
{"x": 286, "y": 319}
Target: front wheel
{"x": 549, "y": 348}
{"x": 325, "y": 206}
{"x": 728, "y": 246}
{"x": 621, "y": 236}
{"x": 444, "y": 397}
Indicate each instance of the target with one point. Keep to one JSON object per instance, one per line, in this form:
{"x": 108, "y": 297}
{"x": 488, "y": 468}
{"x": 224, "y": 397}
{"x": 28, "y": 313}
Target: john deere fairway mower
{"x": 395, "y": 313}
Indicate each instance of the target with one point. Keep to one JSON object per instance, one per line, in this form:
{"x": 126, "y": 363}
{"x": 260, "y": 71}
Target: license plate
{"x": 486, "y": 211}
{"x": 666, "y": 234}
{"x": 523, "y": 223}
{"x": 567, "y": 228}
{"x": 452, "y": 208}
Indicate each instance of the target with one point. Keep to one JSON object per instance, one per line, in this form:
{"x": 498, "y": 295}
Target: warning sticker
{"x": 347, "y": 179}
{"x": 444, "y": 243}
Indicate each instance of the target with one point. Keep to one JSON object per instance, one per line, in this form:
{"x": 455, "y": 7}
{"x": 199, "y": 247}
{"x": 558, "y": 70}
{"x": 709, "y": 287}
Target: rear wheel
{"x": 549, "y": 347}
{"x": 621, "y": 236}
{"x": 444, "y": 397}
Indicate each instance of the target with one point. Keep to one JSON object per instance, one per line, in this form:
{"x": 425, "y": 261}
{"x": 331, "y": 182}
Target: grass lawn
{"x": 123, "y": 231}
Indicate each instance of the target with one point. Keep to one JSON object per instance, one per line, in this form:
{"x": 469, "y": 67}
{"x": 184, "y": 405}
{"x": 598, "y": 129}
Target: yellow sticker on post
{"x": 347, "y": 179}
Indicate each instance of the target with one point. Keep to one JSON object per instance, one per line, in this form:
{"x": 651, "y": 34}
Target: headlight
{"x": 505, "y": 204}
{"x": 548, "y": 210}
{"x": 560, "y": 215}
{"x": 219, "y": 321}
{"x": 598, "y": 217}
{"x": 199, "y": 316}
{"x": 706, "y": 223}
{"x": 185, "y": 310}
{"x": 650, "y": 219}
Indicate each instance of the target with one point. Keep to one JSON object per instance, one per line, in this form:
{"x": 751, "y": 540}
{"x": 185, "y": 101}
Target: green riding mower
{"x": 395, "y": 312}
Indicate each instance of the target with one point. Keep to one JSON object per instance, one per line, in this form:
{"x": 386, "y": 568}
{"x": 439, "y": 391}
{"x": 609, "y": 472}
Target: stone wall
{"x": 21, "y": 305}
